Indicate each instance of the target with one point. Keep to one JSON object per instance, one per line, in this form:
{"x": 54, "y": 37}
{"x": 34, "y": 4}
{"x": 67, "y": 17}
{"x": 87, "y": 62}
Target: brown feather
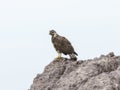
{"x": 63, "y": 45}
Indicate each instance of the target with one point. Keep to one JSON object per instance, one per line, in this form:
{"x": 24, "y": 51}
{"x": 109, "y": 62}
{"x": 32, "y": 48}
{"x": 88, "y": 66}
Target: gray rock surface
{"x": 102, "y": 73}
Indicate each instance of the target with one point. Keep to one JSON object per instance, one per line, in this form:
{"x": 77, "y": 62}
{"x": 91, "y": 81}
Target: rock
{"x": 102, "y": 73}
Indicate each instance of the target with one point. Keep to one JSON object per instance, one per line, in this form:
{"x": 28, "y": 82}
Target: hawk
{"x": 62, "y": 45}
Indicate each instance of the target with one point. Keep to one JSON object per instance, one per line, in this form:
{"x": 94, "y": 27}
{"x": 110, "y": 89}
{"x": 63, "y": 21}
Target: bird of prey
{"x": 62, "y": 45}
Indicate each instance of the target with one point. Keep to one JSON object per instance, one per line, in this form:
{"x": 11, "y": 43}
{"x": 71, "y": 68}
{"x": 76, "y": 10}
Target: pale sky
{"x": 92, "y": 26}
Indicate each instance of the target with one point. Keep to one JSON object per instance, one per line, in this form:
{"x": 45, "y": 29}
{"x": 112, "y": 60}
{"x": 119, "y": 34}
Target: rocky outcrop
{"x": 101, "y": 73}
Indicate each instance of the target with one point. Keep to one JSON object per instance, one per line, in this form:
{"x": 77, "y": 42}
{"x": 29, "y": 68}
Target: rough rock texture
{"x": 101, "y": 73}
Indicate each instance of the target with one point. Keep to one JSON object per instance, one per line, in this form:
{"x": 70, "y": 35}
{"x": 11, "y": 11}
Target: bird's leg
{"x": 59, "y": 56}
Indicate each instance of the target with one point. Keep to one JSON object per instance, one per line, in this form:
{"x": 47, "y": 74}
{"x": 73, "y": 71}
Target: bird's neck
{"x": 55, "y": 35}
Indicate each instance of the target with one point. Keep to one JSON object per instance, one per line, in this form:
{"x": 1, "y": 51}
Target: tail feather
{"x": 75, "y": 53}
{"x": 73, "y": 56}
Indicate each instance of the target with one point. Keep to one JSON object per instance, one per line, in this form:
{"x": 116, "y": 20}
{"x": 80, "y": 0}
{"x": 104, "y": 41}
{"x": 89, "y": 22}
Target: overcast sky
{"x": 92, "y": 26}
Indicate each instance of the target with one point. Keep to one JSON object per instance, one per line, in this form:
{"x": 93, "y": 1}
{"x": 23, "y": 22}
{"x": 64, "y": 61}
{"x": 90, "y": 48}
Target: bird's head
{"x": 52, "y": 33}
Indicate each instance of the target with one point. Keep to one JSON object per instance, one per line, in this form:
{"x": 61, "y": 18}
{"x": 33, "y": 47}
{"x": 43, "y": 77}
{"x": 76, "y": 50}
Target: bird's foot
{"x": 58, "y": 58}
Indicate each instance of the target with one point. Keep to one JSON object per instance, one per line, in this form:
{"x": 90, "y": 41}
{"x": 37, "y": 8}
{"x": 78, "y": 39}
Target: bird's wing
{"x": 66, "y": 45}
{"x": 65, "y": 41}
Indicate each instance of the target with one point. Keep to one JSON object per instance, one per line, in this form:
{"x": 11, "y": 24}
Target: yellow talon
{"x": 58, "y": 57}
